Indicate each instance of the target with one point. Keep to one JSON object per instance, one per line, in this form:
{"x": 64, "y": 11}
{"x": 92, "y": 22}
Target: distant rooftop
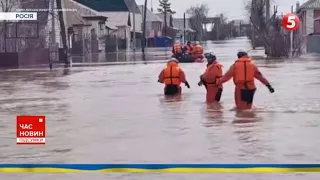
{"x": 311, "y": 4}
{"x": 110, "y": 5}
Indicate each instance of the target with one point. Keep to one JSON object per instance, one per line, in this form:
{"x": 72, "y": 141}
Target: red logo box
{"x": 31, "y": 129}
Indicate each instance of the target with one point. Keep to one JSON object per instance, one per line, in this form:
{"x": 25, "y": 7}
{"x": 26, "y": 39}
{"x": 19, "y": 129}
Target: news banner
{"x": 31, "y": 130}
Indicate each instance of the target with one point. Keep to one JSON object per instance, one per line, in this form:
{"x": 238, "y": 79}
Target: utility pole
{"x": 53, "y": 36}
{"x": 53, "y": 24}
{"x": 134, "y": 25}
{"x": 291, "y": 38}
{"x": 184, "y": 28}
{"x": 144, "y": 26}
{"x": 253, "y": 30}
{"x": 63, "y": 33}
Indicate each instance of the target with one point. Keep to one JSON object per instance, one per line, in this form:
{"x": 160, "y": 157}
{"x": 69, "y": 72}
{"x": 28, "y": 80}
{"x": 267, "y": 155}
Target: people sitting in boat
{"x": 197, "y": 52}
{"x": 188, "y": 48}
{"x": 172, "y": 76}
{"x": 177, "y": 50}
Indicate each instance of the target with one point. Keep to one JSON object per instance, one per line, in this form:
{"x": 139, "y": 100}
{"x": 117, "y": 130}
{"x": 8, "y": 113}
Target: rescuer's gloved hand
{"x": 270, "y": 88}
{"x": 187, "y": 84}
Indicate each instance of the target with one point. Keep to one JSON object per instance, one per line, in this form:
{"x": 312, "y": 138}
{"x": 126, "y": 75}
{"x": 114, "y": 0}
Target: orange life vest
{"x": 214, "y": 73}
{"x": 177, "y": 48}
{"x": 197, "y": 50}
{"x": 244, "y": 71}
{"x": 172, "y": 74}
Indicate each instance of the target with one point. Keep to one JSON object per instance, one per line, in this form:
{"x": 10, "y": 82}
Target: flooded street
{"x": 118, "y": 114}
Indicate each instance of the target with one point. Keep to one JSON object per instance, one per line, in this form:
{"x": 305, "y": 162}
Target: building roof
{"x": 130, "y": 4}
{"x": 110, "y": 5}
{"x": 151, "y": 17}
{"x": 75, "y": 17}
{"x": 311, "y": 4}
{"x": 111, "y": 26}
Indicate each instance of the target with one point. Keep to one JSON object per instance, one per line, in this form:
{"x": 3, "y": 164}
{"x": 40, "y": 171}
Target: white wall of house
{"x": 310, "y": 21}
{"x": 123, "y": 32}
{"x": 120, "y": 20}
{"x": 75, "y": 17}
{"x": 99, "y": 28}
{"x": 161, "y": 15}
{"x": 152, "y": 28}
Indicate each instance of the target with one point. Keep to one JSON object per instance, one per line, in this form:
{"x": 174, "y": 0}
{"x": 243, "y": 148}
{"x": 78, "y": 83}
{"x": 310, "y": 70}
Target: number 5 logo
{"x": 290, "y": 22}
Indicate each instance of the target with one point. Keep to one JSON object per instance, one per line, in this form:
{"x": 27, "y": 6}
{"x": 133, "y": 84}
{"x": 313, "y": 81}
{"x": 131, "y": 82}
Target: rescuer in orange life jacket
{"x": 197, "y": 51}
{"x": 188, "y": 48}
{"x": 177, "y": 50}
{"x": 172, "y": 76}
{"x": 210, "y": 79}
{"x": 243, "y": 72}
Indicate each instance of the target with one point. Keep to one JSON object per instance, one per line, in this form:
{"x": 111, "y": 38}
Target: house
{"x": 309, "y": 14}
{"x": 85, "y": 28}
{"x": 153, "y": 23}
{"x": 179, "y": 24}
{"x": 120, "y": 15}
{"x": 170, "y": 31}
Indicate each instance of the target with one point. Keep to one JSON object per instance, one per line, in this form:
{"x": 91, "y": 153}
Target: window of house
{"x": 101, "y": 24}
{"x": 101, "y": 28}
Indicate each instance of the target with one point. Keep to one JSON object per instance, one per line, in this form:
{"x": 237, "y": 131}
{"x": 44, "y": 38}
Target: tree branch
{"x": 260, "y": 33}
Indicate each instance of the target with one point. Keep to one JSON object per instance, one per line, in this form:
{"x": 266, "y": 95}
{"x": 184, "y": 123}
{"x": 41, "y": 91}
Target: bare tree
{"x": 165, "y": 8}
{"x": 198, "y": 15}
{"x": 275, "y": 40}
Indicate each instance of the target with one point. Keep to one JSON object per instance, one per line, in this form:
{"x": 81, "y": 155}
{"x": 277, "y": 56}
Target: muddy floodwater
{"x": 118, "y": 114}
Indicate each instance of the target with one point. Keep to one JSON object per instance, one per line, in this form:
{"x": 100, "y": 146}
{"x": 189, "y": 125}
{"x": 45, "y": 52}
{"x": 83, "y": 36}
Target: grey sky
{"x": 233, "y": 9}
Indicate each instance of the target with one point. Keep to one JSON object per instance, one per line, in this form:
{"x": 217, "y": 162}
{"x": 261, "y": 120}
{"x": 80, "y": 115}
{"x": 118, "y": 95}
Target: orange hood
{"x": 172, "y": 63}
{"x": 244, "y": 59}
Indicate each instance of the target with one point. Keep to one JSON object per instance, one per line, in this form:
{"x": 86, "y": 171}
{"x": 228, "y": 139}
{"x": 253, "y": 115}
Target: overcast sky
{"x": 233, "y": 9}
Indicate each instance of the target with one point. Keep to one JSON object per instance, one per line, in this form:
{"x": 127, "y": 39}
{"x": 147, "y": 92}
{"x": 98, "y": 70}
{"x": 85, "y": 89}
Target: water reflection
{"x": 171, "y": 99}
{"x": 252, "y": 136}
{"x": 213, "y": 115}
{"x": 150, "y": 54}
{"x": 246, "y": 117}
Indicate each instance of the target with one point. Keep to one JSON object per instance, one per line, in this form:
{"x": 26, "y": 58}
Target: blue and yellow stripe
{"x": 166, "y": 168}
